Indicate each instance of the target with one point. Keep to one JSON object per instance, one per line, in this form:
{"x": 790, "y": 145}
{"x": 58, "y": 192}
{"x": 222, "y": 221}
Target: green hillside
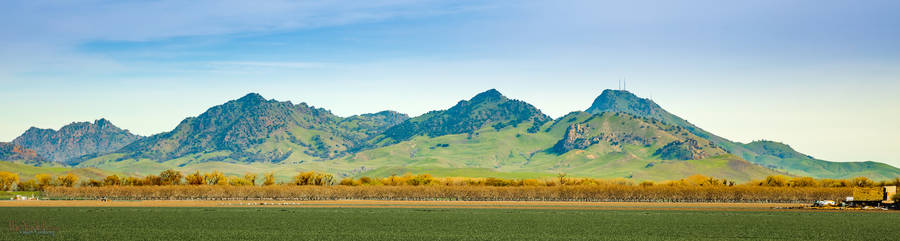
{"x": 781, "y": 156}
{"x": 769, "y": 154}
{"x": 27, "y": 172}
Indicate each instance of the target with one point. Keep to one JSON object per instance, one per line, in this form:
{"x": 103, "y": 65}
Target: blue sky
{"x": 822, "y": 76}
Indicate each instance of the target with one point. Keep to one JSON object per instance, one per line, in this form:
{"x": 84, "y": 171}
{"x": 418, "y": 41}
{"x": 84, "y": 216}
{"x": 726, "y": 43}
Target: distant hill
{"x": 253, "y": 129}
{"x": 75, "y": 140}
{"x": 781, "y": 156}
{"x": 489, "y": 108}
{"x": 27, "y": 170}
{"x": 770, "y": 154}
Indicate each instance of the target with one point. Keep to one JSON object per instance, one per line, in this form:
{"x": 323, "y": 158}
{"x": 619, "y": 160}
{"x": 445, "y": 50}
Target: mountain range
{"x": 620, "y": 136}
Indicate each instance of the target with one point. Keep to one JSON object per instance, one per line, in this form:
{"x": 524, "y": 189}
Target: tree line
{"x": 619, "y": 193}
{"x": 311, "y": 185}
{"x": 42, "y": 182}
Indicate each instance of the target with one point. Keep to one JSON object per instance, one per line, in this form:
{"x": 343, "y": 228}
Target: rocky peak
{"x": 252, "y": 98}
{"x": 624, "y": 101}
{"x": 490, "y": 95}
{"x": 102, "y": 122}
{"x": 75, "y": 139}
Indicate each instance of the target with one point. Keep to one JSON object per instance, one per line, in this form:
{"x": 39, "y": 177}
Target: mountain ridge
{"x": 76, "y": 139}
{"x": 254, "y": 129}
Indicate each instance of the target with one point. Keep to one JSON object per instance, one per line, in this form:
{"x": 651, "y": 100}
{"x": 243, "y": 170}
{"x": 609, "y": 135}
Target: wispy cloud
{"x": 301, "y": 65}
{"x": 268, "y": 65}
{"x": 62, "y": 26}
{"x": 147, "y": 20}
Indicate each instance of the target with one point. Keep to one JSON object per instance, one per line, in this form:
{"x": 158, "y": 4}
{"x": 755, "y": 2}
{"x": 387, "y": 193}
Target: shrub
{"x": 153, "y": 180}
{"x": 250, "y": 177}
{"x": 215, "y": 178}
{"x": 8, "y": 180}
{"x": 775, "y": 181}
{"x": 862, "y": 182}
{"x": 133, "y": 181}
{"x": 418, "y": 180}
{"x": 170, "y": 177}
{"x": 43, "y": 181}
{"x": 313, "y": 178}
{"x": 239, "y": 181}
{"x": 269, "y": 179}
{"x": 366, "y": 181}
{"x": 91, "y": 183}
{"x": 347, "y": 181}
{"x": 195, "y": 179}
{"x": 803, "y": 182}
{"x": 67, "y": 180}
{"x": 112, "y": 180}
{"x": 29, "y": 185}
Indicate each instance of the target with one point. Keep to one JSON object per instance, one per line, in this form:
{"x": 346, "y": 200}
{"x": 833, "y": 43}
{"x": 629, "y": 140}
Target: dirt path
{"x": 407, "y": 204}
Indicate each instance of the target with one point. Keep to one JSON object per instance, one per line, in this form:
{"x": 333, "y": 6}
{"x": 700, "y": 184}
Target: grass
{"x": 27, "y": 172}
{"x": 6, "y": 195}
{"x": 443, "y": 224}
{"x": 453, "y": 172}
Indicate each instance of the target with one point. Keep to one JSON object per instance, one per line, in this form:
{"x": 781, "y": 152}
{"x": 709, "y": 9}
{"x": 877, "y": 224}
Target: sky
{"x": 822, "y": 76}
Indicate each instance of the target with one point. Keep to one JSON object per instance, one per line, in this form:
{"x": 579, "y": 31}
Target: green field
{"x": 444, "y": 224}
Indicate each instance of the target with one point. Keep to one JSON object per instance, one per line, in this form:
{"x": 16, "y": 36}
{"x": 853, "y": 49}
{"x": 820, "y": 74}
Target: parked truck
{"x": 873, "y": 197}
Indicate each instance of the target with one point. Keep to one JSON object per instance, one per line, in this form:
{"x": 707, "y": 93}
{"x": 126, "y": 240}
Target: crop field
{"x": 438, "y": 223}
